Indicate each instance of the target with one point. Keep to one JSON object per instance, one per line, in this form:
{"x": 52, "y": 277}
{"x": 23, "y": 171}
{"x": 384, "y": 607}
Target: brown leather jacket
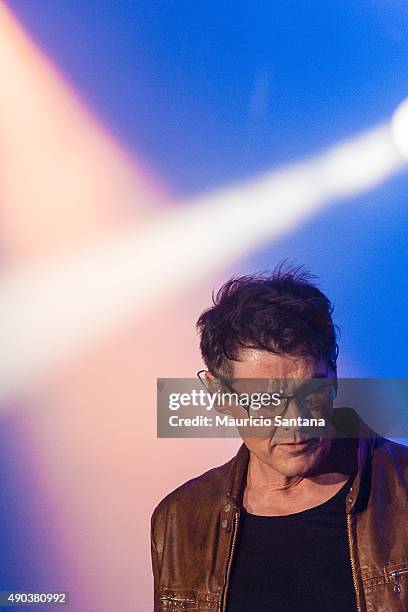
{"x": 194, "y": 531}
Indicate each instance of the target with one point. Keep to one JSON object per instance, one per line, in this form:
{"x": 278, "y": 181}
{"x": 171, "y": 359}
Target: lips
{"x": 298, "y": 445}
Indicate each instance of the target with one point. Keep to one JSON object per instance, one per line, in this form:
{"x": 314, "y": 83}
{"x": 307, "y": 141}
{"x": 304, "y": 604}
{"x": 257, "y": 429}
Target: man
{"x": 293, "y": 523}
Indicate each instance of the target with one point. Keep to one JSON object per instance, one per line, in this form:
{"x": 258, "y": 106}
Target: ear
{"x": 214, "y": 385}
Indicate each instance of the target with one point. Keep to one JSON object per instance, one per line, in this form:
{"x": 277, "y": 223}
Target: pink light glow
{"x": 95, "y": 462}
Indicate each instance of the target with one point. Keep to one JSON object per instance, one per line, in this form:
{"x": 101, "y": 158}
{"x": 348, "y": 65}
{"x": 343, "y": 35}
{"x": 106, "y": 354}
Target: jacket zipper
{"x": 396, "y": 575}
{"x": 234, "y": 538}
{"x": 169, "y": 598}
{"x": 353, "y": 570}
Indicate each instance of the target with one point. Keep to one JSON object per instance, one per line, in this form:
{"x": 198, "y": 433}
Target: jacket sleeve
{"x": 155, "y": 562}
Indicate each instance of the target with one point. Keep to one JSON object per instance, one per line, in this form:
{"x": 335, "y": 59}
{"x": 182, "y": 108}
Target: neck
{"x": 269, "y": 492}
{"x": 263, "y": 476}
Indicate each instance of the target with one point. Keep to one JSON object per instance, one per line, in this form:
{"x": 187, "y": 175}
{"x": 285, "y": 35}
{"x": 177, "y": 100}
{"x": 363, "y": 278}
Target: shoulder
{"x": 393, "y": 450}
{"x": 391, "y": 457}
{"x": 205, "y": 489}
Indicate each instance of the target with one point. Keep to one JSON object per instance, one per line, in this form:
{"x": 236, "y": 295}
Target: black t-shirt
{"x": 294, "y": 563}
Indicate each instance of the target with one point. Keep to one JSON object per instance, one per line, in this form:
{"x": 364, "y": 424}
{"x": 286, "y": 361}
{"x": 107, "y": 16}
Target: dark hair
{"x": 283, "y": 312}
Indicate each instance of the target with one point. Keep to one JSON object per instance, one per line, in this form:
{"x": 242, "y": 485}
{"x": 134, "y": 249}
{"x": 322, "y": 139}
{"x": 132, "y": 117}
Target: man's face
{"x": 285, "y": 450}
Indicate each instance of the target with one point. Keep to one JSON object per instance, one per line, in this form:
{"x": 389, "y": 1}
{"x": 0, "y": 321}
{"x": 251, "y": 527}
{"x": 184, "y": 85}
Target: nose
{"x": 289, "y": 433}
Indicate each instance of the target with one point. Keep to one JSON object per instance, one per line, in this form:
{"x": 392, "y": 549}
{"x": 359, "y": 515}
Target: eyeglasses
{"x": 313, "y": 397}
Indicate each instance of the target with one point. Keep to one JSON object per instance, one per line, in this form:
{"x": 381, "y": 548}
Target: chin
{"x": 298, "y": 465}
{"x": 296, "y": 468}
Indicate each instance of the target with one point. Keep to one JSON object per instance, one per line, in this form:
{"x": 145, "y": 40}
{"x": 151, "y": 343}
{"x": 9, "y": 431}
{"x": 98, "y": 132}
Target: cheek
{"x": 261, "y": 447}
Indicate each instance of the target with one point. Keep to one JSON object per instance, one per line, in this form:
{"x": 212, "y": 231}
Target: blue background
{"x": 208, "y": 93}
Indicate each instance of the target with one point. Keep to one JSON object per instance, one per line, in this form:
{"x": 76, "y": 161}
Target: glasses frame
{"x": 332, "y": 383}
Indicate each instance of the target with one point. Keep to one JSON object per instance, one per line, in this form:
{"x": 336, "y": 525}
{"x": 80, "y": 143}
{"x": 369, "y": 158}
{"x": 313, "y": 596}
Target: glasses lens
{"x": 271, "y": 409}
{"x": 318, "y": 399}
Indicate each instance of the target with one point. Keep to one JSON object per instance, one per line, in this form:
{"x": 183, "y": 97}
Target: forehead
{"x": 256, "y": 363}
